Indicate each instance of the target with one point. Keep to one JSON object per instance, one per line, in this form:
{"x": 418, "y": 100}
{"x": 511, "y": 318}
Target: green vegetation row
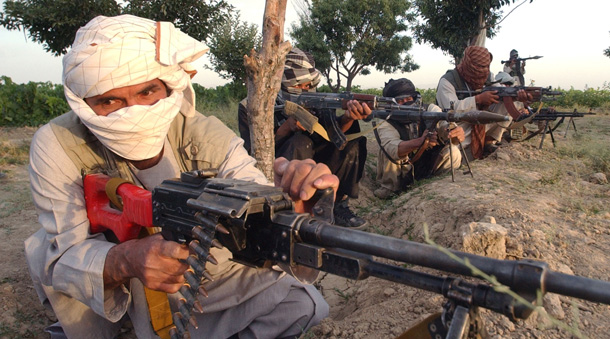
{"x": 35, "y": 103}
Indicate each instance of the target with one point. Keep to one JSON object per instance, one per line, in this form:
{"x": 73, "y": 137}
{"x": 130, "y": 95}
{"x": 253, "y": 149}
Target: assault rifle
{"x": 258, "y": 224}
{"x": 547, "y": 115}
{"x": 322, "y": 104}
{"x": 509, "y": 94}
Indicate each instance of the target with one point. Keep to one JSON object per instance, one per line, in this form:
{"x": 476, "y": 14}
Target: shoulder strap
{"x": 85, "y": 150}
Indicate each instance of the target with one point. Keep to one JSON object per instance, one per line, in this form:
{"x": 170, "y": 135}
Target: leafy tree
{"x": 453, "y": 25}
{"x": 54, "y": 22}
{"x": 228, "y": 45}
{"x": 347, "y": 36}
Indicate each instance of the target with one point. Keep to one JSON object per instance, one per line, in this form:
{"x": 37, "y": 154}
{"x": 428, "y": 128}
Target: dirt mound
{"x": 550, "y": 212}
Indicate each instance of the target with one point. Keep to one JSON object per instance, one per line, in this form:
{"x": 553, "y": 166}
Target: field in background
{"x": 35, "y": 103}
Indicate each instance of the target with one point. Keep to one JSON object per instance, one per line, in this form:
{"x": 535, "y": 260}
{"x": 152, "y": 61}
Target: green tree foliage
{"x": 54, "y": 23}
{"x": 30, "y": 104}
{"x": 228, "y": 45}
{"x": 453, "y": 25}
{"x": 347, "y": 36}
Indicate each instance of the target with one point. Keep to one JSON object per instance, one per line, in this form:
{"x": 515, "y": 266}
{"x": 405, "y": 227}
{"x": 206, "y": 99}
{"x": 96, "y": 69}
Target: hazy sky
{"x": 570, "y": 35}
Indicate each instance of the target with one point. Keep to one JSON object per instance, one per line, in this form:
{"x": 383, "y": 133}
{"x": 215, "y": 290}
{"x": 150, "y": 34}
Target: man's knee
{"x": 309, "y": 308}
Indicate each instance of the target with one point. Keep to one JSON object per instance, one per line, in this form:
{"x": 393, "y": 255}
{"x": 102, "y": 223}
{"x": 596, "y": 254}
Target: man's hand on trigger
{"x": 487, "y": 98}
{"x": 301, "y": 178}
{"x": 524, "y": 97}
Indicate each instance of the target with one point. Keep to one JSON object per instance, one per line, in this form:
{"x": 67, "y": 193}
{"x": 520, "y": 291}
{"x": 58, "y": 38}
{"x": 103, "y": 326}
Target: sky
{"x": 570, "y": 36}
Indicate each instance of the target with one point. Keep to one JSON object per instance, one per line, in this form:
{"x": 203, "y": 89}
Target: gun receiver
{"x": 261, "y": 226}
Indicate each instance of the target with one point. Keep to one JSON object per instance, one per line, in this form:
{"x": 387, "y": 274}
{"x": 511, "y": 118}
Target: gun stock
{"x": 262, "y": 226}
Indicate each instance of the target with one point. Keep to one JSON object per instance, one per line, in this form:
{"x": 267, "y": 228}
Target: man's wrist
{"x": 345, "y": 118}
{"x": 116, "y": 267}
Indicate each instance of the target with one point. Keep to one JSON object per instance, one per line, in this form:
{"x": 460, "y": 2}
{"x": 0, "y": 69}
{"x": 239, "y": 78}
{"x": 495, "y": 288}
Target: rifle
{"x": 258, "y": 224}
{"x": 509, "y": 94}
{"x": 323, "y": 103}
{"x": 414, "y": 113}
{"x": 547, "y": 115}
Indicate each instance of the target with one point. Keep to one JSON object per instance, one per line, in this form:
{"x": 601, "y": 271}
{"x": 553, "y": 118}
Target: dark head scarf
{"x": 514, "y": 54}
{"x": 474, "y": 68}
{"x": 299, "y": 68}
{"x": 400, "y": 88}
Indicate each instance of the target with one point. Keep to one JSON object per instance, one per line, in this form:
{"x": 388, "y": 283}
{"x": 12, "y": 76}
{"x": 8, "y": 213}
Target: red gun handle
{"x": 126, "y": 224}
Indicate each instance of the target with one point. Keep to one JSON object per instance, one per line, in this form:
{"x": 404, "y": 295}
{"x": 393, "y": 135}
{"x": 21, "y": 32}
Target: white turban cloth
{"x": 115, "y": 52}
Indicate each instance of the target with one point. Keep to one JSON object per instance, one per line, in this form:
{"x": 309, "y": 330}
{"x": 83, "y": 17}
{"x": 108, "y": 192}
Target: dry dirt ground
{"x": 544, "y": 198}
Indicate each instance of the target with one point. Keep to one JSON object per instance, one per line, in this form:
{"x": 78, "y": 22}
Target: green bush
{"x": 36, "y": 103}
{"x": 30, "y": 104}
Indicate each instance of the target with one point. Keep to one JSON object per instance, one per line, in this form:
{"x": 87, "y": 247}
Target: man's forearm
{"x": 345, "y": 123}
{"x": 408, "y": 146}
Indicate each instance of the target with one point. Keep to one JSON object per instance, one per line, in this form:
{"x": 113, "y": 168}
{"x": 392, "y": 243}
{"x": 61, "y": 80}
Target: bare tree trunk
{"x": 264, "y": 72}
{"x": 479, "y": 39}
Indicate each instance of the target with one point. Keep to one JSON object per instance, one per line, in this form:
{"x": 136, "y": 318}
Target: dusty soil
{"x": 542, "y": 197}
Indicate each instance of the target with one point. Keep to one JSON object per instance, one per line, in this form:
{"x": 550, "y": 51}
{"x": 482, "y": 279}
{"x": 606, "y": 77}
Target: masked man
{"x": 514, "y": 68}
{"x": 471, "y": 75}
{"x": 409, "y": 152}
{"x": 293, "y": 142}
{"x": 128, "y": 82}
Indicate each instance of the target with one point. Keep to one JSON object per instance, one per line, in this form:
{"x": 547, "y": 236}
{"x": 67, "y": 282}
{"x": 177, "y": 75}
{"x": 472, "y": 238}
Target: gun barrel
{"x": 512, "y": 273}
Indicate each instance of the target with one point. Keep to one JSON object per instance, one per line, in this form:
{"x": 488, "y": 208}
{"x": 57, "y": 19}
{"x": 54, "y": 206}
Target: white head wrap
{"x": 115, "y": 52}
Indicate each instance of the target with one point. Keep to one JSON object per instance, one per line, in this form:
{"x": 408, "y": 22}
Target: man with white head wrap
{"x": 292, "y": 141}
{"x": 127, "y": 80}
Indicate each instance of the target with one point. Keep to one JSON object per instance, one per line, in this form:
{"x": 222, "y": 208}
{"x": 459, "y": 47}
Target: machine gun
{"x": 547, "y": 115}
{"x": 509, "y": 94}
{"x": 258, "y": 224}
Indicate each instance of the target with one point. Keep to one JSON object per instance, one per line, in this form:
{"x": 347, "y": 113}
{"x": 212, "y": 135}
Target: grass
{"x": 345, "y": 296}
{"x": 226, "y": 113}
{"x": 14, "y": 155}
{"x": 552, "y": 177}
{"x": 379, "y": 230}
{"x": 19, "y": 199}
